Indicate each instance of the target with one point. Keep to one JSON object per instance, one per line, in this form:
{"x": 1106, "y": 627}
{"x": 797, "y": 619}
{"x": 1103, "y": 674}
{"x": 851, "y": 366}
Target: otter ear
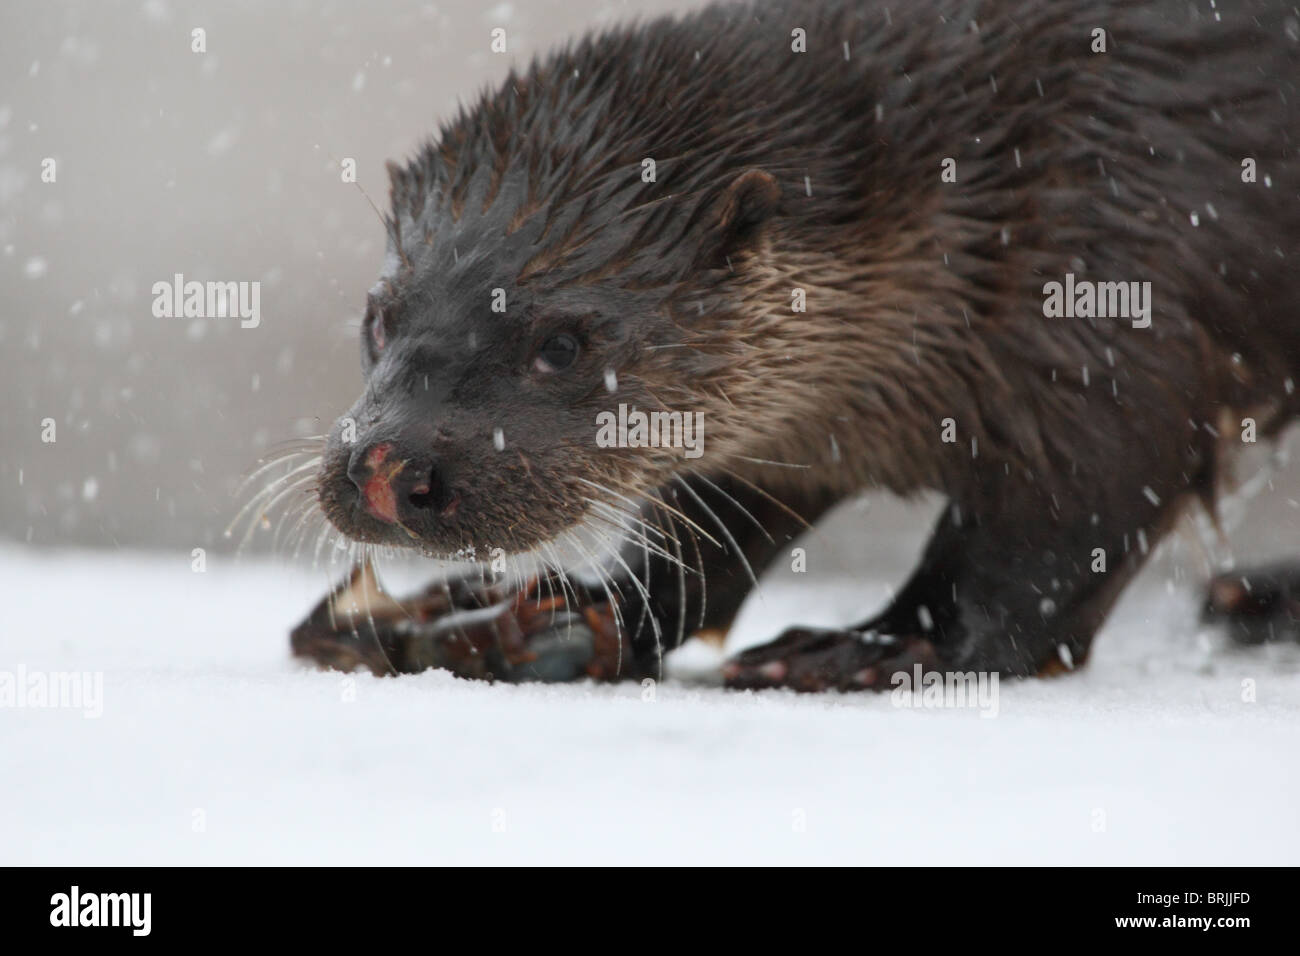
{"x": 396, "y": 182}
{"x": 739, "y": 212}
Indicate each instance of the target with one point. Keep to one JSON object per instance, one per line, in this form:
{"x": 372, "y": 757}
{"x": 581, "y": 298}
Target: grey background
{"x": 218, "y": 165}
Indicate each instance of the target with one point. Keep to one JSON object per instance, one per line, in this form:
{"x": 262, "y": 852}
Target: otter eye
{"x": 556, "y": 354}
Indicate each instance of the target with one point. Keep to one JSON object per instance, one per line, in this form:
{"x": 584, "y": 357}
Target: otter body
{"x": 916, "y": 176}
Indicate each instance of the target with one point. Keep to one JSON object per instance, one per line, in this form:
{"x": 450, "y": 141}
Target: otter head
{"x": 510, "y": 315}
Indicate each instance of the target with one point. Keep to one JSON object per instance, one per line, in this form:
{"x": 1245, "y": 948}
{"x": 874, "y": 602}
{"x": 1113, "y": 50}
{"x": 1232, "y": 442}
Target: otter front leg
{"x": 714, "y": 539}
{"x": 1017, "y": 590}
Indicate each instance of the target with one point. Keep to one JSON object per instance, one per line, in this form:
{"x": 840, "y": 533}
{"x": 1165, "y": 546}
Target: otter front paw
{"x": 815, "y": 659}
{"x": 473, "y": 629}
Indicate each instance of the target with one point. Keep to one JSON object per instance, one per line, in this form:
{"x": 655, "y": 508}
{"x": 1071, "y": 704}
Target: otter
{"x": 831, "y": 230}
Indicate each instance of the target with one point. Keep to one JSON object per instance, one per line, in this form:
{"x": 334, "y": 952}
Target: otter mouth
{"x": 309, "y": 495}
{"x": 385, "y": 498}
{"x": 383, "y": 504}
{"x": 389, "y": 493}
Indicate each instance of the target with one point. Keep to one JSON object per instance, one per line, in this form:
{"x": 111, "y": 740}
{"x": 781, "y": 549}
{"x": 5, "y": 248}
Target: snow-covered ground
{"x": 214, "y": 747}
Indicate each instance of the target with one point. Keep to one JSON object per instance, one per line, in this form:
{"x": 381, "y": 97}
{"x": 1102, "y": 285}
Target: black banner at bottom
{"x": 336, "y": 905}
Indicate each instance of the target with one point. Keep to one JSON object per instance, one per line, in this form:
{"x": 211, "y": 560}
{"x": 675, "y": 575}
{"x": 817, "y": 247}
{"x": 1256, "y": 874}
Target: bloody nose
{"x": 394, "y": 487}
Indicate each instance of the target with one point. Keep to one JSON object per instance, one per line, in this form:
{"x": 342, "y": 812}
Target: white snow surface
{"x": 215, "y": 747}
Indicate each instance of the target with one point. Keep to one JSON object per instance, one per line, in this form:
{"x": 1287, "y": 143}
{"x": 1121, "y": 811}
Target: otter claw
{"x": 810, "y": 659}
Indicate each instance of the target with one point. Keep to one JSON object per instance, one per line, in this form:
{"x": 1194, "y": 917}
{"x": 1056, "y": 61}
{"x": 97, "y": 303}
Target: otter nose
{"x": 396, "y": 488}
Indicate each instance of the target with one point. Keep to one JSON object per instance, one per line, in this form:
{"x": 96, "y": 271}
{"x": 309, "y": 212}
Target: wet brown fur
{"x": 778, "y": 170}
